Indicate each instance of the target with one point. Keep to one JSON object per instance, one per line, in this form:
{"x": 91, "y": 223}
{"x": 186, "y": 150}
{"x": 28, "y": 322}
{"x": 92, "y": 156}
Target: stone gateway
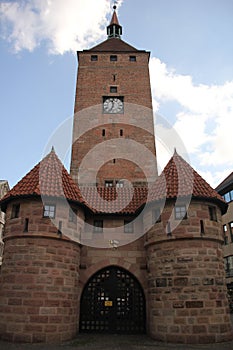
{"x": 111, "y": 247}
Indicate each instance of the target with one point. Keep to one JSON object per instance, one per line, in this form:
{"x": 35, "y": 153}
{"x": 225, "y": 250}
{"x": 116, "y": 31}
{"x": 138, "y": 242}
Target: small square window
{"x": 49, "y": 211}
{"x": 212, "y": 214}
{"x": 98, "y": 226}
{"x": 119, "y": 183}
{"x": 15, "y": 211}
{"x": 156, "y": 215}
{"x": 113, "y": 58}
{"x": 113, "y": 89}
{"x": 73, "y": 215}
{"x": 94, "y": 58}
{"x": 132, "y": 58}
{"x": 128, "y": 226}
{"x": 109, "y": 183}
{"x": 180, "y": 212}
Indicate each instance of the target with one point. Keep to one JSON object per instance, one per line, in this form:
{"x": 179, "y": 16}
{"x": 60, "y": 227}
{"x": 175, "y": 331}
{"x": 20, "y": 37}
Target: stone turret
{"x": 40, "y": 270}
{"x": 187, "y": 296}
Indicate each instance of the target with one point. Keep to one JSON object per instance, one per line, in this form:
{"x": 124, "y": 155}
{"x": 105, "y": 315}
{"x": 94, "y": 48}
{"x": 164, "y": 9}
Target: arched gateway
{"x": 113, "y": 301}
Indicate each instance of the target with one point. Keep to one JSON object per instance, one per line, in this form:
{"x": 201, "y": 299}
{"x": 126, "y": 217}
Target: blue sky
{"x": 191, "y": 73}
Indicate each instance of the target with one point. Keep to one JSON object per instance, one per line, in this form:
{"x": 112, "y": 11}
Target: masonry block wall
{"x": 39, "y": 285}
{"x": 187, "y": 293}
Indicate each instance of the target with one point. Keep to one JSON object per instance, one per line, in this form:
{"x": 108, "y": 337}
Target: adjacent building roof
{"x": 225, "y": 185}
{"x": 47, "y": 178}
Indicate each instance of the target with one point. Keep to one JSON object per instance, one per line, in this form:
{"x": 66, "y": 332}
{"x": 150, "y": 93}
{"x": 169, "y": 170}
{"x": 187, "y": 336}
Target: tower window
{"x": 212, "y": 214}
{"x": 121, "y": 132}
{"x": 113, "y": 58}
{"x": 132, "y": 58}
{"x": 49, "y": 211}
{"x": 103, "y": 132}
{"x": 98, "y": 226}
{"x": 202, "y": 227}
{"x": 113, "y": 89}
{"x": 180, "y": 212}
{"x": 15, "y": 211}
{"x": 128, "y": 226}
{"x": 94, "y": 58}
{"x": 109, "y": 183}
{"x": 119, "y": 183}
{"x": 26, "y": 222}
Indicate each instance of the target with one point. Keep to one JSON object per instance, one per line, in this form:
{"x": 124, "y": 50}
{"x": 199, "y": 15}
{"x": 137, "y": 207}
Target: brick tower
{"x": 113, "y": 248}
{"x": 113, "y": 113}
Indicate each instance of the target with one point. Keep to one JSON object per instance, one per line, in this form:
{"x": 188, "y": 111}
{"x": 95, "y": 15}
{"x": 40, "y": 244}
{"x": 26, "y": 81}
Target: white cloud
{"x": 65, "y": 25}
{"x": 205, "y": 119}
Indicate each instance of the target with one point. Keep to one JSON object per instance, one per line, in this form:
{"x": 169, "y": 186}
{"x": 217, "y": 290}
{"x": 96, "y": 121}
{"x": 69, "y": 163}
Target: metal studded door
{"x": 112, "y": 302}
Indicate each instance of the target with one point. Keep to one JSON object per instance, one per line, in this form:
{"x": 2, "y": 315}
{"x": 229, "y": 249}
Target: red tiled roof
{"x": 47, "y": 178}
{"x": 179, "y": 179}
{"x": 50, "y": 178}
{"x": 113, "y": 45}
{"x": 115, "y": 200}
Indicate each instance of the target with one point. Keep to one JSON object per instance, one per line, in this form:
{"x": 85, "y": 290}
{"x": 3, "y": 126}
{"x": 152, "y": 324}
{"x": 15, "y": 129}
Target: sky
{"x": 191, "y": 72}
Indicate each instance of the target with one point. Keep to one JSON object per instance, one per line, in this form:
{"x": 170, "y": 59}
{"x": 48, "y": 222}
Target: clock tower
{"x": 113, "y": 132}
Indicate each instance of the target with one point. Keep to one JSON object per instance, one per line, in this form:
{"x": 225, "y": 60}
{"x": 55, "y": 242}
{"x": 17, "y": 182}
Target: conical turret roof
{"x": 179, "y": 179}
{"x": 48, "y": 178}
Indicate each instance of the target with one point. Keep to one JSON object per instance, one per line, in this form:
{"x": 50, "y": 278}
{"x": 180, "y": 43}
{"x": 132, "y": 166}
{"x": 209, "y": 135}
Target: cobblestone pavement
{"x": 115, "y": 342}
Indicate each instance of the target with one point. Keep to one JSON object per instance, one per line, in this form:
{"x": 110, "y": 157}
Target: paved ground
{"x": 115, "y": 342}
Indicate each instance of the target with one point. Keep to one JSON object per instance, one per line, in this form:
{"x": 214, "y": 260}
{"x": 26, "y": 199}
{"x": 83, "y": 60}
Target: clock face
{"x": 113, "y": 105}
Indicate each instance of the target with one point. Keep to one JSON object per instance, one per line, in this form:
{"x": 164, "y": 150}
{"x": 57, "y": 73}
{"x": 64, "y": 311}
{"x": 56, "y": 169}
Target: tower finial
{"x": 114, "y": 30}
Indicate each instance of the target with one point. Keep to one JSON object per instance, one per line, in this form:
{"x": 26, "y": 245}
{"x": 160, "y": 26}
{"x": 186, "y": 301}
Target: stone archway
{"x": 113, "y": 301}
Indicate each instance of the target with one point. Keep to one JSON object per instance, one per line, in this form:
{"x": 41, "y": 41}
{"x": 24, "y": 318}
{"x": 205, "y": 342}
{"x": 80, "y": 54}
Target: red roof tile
{"x": 179, "y": 179}
{"x": 115, "y": 200}
{"x": 47, "y": 178}
{"x": 113, "y": 45}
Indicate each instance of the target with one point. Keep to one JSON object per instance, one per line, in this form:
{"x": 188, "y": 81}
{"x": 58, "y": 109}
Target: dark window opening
{"x": 212, "y": 214}
{"x": 98, "y": 226}
{"x": 26, "y": 222}
{"x": 49, "y": 211}
{"x": 94, "y": 58}
{"x": 121, "y": 132}
{"x": 113, "y": 58}
{"x": 202, "y": 227}
{"x": 114, "y": 77}
{"x": 231, "y": 230}
{"x": 15, "y": 211}
{"x": 103, "y": 132}
{"x": 119, "y": 183}
{"x": 180, "y": 212}
{"x": 113, "y": 89}
{"x": 114, "y": 161}
{"x": 109, "y": 183}
{"x": 132, "y": 58}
